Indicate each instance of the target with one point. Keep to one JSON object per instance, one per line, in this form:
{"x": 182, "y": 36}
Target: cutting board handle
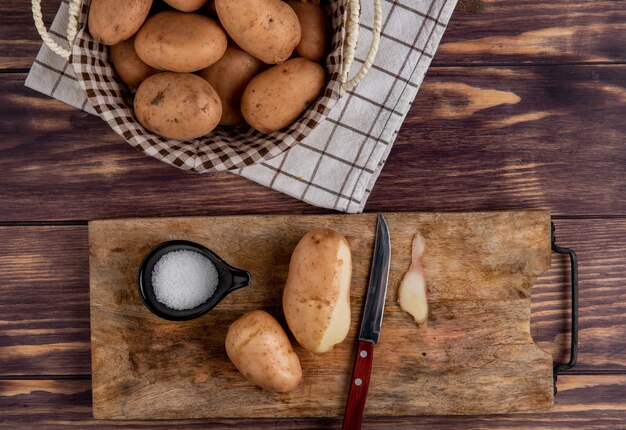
{"x": 558, "y": 368}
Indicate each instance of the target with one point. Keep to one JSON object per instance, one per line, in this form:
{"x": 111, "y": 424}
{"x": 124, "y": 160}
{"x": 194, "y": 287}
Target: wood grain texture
{"x": 19, "y": 40}
{"x": 54, "y": 339}
{"x": 477, "y": 347}
{"x": 529, "y": 31}
{"x": 584, "y": 402}
{"x": 512, "y": 137}
{"x": 481, "y": 31}
{"x": 475, "y": 139}
{"x": 43, "y": 285}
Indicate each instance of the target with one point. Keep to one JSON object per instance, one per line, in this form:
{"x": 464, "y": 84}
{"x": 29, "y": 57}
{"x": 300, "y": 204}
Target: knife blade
{"x": 371, "y": 323}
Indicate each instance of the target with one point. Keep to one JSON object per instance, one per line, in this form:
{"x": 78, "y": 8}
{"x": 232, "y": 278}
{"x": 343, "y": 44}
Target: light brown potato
{"x": 180, "y": 42}
{"x": 267, "y": 29}
{"x": 128, "y": 65}
{"x": 315, "y": 26}
{"x": 186, "y": 5}
{"x": 113, "y": 21}
{"x": 178, "y": 106}
{"x": 229, "y": 77}
{"x": 259, "y": 348}
{"x": 278, "y": 96}
{"x": 316, "y": 299}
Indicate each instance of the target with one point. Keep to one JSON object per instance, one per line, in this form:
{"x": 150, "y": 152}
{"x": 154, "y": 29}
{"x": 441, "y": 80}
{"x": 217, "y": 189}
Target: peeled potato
{"x": 278, "y": 96}
{"x": 229, "y": 77}
{"x": 267, "y": 29}
{"x": 186, "y": 5}
{"x": 259, "y": 348}
{"x": 113, "y": 21}
{"x": 180, "y": 42}
{"x": 315, "y": 25}
{"x": 179, "y": 106}
{"x": 131, "y": 70}
{"x": 316, "y": 299}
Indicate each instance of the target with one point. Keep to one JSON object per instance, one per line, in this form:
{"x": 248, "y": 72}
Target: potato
{"x": 128, "y": 65}
{"x": 259, "y": 348}
{"x": 316, "y": 299}
{"x": 113, "y": 21}
{"x": 278, "y": 96}
{"x": 178, "y": 106}
{"x": 180, "y": 42}
{"x": 315, "y": 27}
{"x": 186, "y": 5}
{"x": 229, "y": 77}
{"x": 267, "y": 29}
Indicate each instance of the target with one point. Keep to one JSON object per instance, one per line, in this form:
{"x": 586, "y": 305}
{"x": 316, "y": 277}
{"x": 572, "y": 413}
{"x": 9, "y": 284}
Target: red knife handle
{"x": 358, "y": 386}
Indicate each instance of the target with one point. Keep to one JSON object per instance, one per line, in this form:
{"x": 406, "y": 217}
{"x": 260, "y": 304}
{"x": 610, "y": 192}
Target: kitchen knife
{"x": 371, "y": 321}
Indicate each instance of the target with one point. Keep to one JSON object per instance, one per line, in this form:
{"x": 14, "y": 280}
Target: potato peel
{"x": 412, "y": 292}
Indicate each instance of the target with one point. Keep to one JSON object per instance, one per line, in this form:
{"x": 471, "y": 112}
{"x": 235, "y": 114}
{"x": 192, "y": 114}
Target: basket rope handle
{"x": 352, "y": 38}
{"x": 72, "y": 27}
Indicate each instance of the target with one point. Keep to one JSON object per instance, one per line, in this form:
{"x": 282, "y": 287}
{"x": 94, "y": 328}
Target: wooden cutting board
{"x": 475, "y": 356}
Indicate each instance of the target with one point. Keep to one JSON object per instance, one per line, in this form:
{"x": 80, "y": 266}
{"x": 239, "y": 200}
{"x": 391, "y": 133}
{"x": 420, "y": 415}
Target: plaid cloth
{"x": 336, "y": 165}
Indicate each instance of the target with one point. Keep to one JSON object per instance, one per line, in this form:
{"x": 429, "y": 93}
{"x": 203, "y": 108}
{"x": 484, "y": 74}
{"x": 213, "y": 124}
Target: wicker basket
{"x": 225, "y": 148}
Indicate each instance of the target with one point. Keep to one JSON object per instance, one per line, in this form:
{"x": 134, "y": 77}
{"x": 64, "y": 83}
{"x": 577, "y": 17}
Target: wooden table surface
{"x": 524, "y": 106}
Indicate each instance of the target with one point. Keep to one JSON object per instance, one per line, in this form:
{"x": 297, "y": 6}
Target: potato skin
{"x": 315, "y": 40}
{"x": 259, "y": 348}
{"x": 178, "y": 106}
{"x": 113, "y": 21}
{"x": 267, "y": 29}
{"x": 316, "y": 298}
{"x": 278, "y": 96}
{"x": 180, "y": 42}
{"x": 131, "y": 70}
{"x": 186, "y": 5}
{"x": 229, "y": 77}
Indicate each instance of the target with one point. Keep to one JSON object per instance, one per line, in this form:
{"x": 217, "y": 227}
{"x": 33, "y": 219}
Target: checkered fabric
{"x": 330, "y": 158}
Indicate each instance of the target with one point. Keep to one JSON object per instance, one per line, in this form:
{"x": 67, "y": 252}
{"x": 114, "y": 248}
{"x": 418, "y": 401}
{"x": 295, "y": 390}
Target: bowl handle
{"x": 241, "y": 279}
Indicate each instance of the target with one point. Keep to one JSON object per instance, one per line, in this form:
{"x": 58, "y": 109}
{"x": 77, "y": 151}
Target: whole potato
{"x": 112, "y": 21}
{"x": 259, "y": 348}
{"x": 128, "y": 65}
{"x": 315, "y": 26}
{"x": 316, "y": 299}
{"x": 186, "y": 5}
{"x": 229, "y": 77}
{"x": 178, "y": 106}
{"x": 180, "y": 42}
{"x": 277, "y": 97}
{"x": 267, "y": 29}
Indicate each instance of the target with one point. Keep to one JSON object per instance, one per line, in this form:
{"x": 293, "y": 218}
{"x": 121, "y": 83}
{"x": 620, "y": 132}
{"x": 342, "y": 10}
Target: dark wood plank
{"x": 45, "y": 306}
{"x": 483, "y": 138}
{"x": 530, "y": 31}
{"x": 476, "y": 138}
{"x": 489, "y": 31}
{"x": 584, "y": 402}
{"x": 19, "y": 40}
{"x": 44, "y": 327}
